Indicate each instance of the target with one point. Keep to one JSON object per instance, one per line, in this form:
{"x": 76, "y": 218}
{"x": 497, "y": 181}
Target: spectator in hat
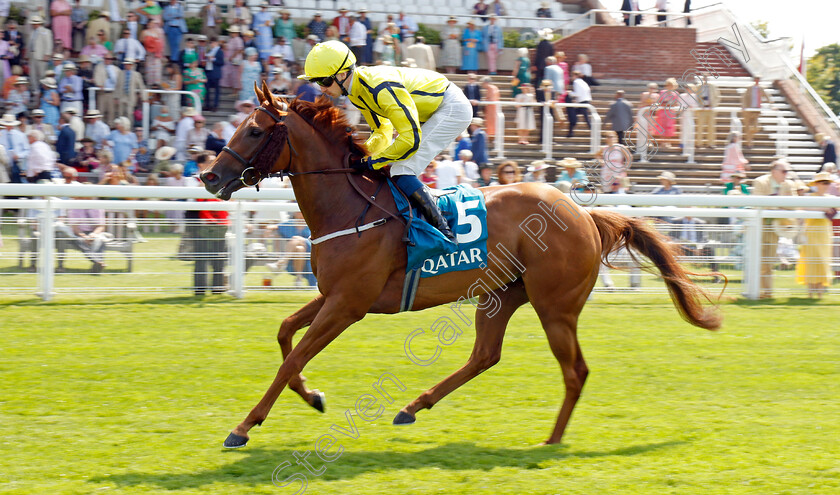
{"x": 105, "y": 76}
{"x": 174, "y": 26}
{"x": 814, "y": 266}
{"x": 472, "y": 42}
{"x": 251, "y": 72}
{"x": 544, "y": 10}
{"x": 184, "y": 125}
{"x": 19, "y": 97}
{"x": 536, "y": 172}
{"x": 239, "y": 15}
{"x": 39, "y": 48}
{"x": 128, "y": 89}
{"x": 76, "y": 123}
{"x": 162, "y": 128}
{"x": 16, "y": 145}
{"x": 342, "y": 24}
{"x": 233, "y": 52}
{"x": 280, "y": 82}
{"x": 478, "y": 141}
{"x": 572, "y": 174}
{"x": 95, "y": 129}
{"x": 829, "y": 150}
{"x": 211, "y": 18}
{"x": 776, "y": 183}
{"x": 751, "y": 102}
{"x": 248, "y": 40}
{"x": 450, "y": 56}
{"x": 667, "y": 181}
{"x": 311, "y": 41}
{"x": 70, "y": 86}
{"x": 38, "y": 124}
{"x": 244, "y": 108}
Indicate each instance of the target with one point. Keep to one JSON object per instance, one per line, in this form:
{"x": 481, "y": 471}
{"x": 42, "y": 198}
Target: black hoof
{"x": 234, "y": 441}
{"x": 403, "y": 418}
{"x": 320, "y": 401}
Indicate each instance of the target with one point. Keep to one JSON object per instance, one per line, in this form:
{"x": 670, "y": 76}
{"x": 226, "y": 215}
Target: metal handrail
{"x": 595, "y": 122}
{"x": 803, "y": 84}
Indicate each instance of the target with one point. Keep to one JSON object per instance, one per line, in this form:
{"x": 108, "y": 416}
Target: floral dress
{"x": 194, "y": 80}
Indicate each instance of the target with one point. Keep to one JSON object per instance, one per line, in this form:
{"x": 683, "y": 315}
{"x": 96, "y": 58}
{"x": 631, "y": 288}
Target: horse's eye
{"x": 256, "y": 132}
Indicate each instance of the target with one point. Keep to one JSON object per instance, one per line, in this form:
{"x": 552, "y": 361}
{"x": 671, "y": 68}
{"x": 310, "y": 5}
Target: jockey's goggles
{"x": 323, "y": 81}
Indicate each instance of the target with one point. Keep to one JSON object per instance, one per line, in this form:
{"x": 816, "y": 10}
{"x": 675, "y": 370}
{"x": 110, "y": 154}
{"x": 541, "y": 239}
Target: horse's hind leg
{"x": 300, "y": 319}
{"x": 487, "y": 350}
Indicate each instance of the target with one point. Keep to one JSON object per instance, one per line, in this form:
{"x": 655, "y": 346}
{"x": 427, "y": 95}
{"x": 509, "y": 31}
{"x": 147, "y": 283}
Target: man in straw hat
{"x": 38, "y": 124}
{"x": 427, "y": 112}
{"x": 39, "y": 48}
{"x": 776, "y": 183}
{"x": 129, "y": 87}
{"x": 16, "y": 144}
{"x": 239, "y": 15}
{"x": 105, "y": 76}
{"x": 95, "y": 129}
{"x": 70, "y": 88}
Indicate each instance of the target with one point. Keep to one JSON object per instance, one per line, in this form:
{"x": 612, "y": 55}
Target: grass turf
{"x": 136, "y": 396}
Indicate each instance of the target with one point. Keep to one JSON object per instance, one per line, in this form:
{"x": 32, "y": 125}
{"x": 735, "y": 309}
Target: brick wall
{"x": 621, "y": 52}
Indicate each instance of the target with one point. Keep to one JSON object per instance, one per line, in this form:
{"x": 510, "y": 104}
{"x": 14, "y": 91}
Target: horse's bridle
{"x": 287, "y": 172}
{"x": 248, "y": 164}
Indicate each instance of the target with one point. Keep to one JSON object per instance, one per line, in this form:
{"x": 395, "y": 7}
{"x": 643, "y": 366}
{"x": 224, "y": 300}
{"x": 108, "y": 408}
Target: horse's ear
{"x": 260, "y": 94}
{"x": 269, "y": 96}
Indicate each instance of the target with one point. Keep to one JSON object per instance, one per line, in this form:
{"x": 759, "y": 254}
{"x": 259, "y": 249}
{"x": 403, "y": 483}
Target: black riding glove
{"x": 360, "y": 164}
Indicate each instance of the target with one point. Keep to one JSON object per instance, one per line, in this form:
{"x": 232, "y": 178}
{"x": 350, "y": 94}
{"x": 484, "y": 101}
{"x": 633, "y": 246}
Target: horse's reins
{"x": 287, "y": 172}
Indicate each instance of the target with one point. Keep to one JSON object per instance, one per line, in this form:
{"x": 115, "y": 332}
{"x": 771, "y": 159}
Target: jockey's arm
{"x": 402, "y": 116}
{"x": 381, "y": 131}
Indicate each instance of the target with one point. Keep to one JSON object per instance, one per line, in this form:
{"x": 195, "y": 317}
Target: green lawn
{"x": 115, "y": 395}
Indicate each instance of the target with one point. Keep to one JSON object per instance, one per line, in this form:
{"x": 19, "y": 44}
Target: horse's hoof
{"x": 403, "y": 418}
{"x": 234, "y": 441}
{"x": 319, "y": 402}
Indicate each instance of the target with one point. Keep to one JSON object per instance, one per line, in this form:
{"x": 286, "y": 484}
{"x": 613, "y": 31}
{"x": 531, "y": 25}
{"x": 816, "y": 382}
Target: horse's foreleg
{"x": 487, "y": 350}
{"x": 301, "y": 318}
{"x": 332, "y": 319}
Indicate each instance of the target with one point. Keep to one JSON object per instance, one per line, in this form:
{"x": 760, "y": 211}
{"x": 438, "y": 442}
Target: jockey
{"x": 426, "y": 111}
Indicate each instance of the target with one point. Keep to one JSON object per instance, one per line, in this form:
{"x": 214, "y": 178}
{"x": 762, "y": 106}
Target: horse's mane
{"x": 329, "y": 121}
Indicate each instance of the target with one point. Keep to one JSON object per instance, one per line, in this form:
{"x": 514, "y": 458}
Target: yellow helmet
{"x": 328, "y": 59}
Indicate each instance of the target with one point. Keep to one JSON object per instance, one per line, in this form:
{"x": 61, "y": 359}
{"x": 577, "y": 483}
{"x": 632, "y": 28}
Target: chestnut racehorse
{"x": 542, "y": 248}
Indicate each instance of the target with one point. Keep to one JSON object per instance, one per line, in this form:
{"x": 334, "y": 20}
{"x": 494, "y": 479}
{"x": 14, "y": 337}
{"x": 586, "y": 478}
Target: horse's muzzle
{"x": 218, "y": 186}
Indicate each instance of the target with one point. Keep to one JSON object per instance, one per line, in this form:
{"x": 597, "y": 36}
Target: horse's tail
{"x": 619, "y": 231}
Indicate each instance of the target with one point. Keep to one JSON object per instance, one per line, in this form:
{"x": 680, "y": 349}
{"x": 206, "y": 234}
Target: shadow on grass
{"x": 255, "y": 466}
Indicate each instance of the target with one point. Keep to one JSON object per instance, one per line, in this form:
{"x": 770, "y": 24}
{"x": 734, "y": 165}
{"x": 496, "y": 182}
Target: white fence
{"x": 144, "y": 250}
